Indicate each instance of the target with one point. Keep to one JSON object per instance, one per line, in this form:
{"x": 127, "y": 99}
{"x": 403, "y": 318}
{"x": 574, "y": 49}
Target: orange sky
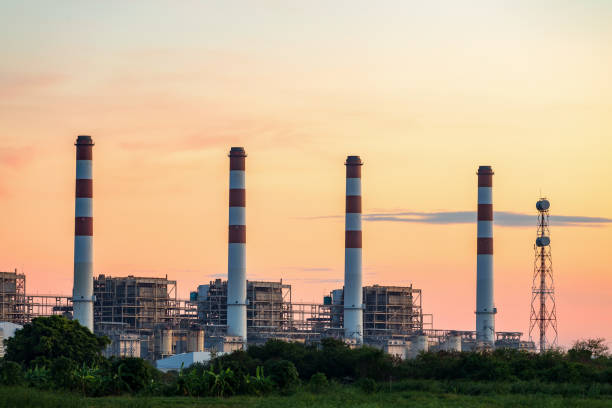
{"x": 424, "y": 93}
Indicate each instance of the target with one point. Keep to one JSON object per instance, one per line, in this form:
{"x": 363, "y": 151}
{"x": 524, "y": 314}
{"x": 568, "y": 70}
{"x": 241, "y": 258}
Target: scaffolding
{"x": 13, "y": 297}
{"x": 390, "y": 312}
{"x": 145, "y": 307}
{"x": 268, "y": 306}
{"x": 19, "y": 308}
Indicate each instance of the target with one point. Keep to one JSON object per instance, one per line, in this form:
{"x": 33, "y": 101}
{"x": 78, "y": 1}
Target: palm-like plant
{"x": 220, "y": 384}
{"x": 86, "y": 376}
{"x": 38, "y": 377}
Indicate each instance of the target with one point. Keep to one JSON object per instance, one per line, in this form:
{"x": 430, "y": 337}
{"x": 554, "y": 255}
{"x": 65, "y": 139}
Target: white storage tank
{"x": 452, "y": 343}
{"x": 195, "y": 341}
{"x": 419, "y": 344}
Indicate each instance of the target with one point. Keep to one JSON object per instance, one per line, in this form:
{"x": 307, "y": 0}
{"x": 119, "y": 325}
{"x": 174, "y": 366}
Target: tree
{"x": 590, "y": 348}
{"x": 48, "y": 338}
{"x": 283, "y": 373}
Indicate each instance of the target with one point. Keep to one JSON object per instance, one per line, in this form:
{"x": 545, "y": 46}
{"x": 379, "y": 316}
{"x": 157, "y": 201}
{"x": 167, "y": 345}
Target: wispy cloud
{"x": 315, "y": 280}
{"x": 16, "y": 157}
{"x": 19, "y": 84}
{"x": 502, "y": 218}
{"x": 311, "y": 269}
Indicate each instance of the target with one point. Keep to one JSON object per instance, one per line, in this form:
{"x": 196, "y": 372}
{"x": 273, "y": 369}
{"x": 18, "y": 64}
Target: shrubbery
{"x": 54, "y": 353}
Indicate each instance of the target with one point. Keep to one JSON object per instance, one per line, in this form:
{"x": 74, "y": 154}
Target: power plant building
{"x": 147, "y": 308}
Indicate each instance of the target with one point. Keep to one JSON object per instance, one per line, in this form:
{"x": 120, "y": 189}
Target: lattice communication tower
{"x": 543, "y": 319}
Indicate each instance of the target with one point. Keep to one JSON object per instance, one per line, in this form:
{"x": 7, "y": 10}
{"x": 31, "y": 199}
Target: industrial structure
{"x": 543, "y": 318}
{"x": 353, "y": 296}
{"x": 485, "y": 307}
{"x": 144, "y": 317}
{"x": 236, "y": 251}
{"x": 82, "y": 293}
{"x": 393, "y": 312}
{"x": 16, "y": 306}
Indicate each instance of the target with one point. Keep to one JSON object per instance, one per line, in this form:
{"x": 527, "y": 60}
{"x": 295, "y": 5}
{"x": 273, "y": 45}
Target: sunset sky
{"x": 424, "y": 92}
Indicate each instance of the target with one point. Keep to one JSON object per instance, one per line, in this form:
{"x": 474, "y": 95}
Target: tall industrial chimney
{"x": 353, "y": 295}
{"x": 485, "y": 308}
{"x": 236, "y": 263}
{"x": 82, "y": 292}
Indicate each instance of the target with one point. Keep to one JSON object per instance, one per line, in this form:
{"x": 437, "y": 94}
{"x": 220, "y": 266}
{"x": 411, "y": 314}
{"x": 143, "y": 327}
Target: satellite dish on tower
{"x": 543, "y": 205}
{"x": 542, "y": 241}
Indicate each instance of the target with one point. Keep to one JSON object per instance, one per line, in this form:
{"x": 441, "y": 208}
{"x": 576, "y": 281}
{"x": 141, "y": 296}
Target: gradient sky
{"x": 425, "y": 92}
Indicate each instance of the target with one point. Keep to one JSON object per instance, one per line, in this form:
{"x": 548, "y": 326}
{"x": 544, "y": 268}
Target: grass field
{"x": 340, "y": 397}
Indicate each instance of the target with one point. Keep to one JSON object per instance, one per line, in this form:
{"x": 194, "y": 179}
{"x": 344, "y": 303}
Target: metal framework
{"x": 18, "y": 307}
{"x": 391, "y": 312}
{"x": 543, "y": 317}
{"x": 141, "y": 306}
{"x": 12, "y": 297}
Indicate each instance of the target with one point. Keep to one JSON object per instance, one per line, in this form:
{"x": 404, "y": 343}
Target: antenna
{"x": 543, "y": 318}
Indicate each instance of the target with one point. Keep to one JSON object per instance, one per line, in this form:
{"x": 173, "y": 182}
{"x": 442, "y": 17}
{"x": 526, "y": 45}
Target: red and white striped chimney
{"x": 485, "y": 307}
{"x": 236, "y": 264}
{"x": 353, "y": 295}
{"x": 82, "y": 292}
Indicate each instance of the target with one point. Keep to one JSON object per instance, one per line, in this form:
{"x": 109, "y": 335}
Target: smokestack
{"x": 353, "y": 295}
{"x": 485, "y": 309}
{"x": 82, "y": 292}
{"x": 236, "y": 263}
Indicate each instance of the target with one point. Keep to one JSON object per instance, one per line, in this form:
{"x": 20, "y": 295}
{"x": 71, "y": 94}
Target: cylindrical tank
{"x": 453, "y": 343}
{"x": 419, "y": 344}
{"x": 166, "y": 342}
{"x": 195, "y": 341}
{"x": 337, "y": 295}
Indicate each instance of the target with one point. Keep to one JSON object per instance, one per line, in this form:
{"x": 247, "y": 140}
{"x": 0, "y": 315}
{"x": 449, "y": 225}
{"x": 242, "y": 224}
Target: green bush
{"x": 11, "y": 373}
{"x": 45, "y": 339}
{"x": 38, "y": 377}
{"x": 367, "y": 385}
{"x": 61, "y": 372}
{"x": 258, "y": 384}
{"x": 132, "y": 374}
{"x": 318, "y": 382}
{"x": 284, "y": 374}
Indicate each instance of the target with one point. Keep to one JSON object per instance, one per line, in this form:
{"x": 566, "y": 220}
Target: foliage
{"x": 11, "y": 373}
{"x": 258, "y": 384}
{"x": 87, "y": 378}
{"x": 283, "y": 373}
{"x": 336, "y": 397}
{"x": 589, "y": 348}
{"x": 38, "y": 377}
{"x": 47, "y": 338}
{"x": 318, "y": 382}
{"x": 585, "y": 370}
{"x": 62, "y": 369}
{"x": 367, "y": 385}
{"x": 132, "y": 374}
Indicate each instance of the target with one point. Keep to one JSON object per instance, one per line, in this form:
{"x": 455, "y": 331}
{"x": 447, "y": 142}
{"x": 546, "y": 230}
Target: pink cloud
{"x": 16, "y": 157}
{"x": 17, "y": 84}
